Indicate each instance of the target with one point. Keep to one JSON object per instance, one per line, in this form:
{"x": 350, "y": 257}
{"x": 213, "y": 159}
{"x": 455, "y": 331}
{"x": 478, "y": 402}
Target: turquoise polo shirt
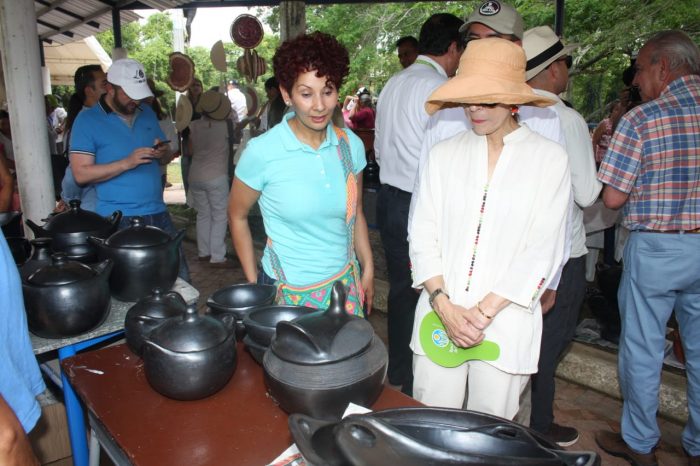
{"x": 100, "y": 132}
{"x": 302, "y": 199}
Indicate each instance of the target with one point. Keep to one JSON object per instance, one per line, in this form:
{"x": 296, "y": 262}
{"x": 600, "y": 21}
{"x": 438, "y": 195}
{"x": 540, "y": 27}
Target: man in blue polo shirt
{"x": 118, "y": 146}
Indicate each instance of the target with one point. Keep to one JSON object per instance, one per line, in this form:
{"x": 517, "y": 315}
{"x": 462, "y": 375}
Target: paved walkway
{"x": 582, "y": 408}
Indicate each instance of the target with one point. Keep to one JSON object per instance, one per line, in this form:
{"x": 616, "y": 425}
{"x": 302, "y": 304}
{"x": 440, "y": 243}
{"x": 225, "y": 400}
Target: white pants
{"x": 210, "y": 199}
{"x": 489, "y": 390}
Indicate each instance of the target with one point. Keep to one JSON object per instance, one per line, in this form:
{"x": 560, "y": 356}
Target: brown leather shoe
{"x": 614, "y": 444}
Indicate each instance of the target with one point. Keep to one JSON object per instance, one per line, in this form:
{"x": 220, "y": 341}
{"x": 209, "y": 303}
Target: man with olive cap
{"x": 548, "y": 62}
{"x": 118, "y": 146}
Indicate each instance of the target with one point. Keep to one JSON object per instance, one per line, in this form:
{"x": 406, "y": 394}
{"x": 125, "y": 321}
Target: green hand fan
{"x": 440, "y": 349}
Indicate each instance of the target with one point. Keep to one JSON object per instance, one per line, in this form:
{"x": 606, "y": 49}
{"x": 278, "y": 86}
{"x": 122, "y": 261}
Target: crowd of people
{"x": 485, "y": 172}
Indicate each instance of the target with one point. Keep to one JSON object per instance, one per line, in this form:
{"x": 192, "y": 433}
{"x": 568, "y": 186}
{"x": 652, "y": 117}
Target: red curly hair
{"x": 316, "y": 51}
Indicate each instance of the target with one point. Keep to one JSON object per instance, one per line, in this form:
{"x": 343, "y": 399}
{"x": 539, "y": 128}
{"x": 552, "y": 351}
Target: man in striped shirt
{"x": 652, "y": 170}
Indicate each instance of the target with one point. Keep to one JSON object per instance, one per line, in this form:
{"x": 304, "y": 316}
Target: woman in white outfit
{"x": 208, "y": 176}
{"x": 487, "y": 233}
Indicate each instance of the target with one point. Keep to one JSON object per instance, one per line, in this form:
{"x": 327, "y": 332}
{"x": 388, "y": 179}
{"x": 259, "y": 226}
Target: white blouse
{"x": 520, "y": 216}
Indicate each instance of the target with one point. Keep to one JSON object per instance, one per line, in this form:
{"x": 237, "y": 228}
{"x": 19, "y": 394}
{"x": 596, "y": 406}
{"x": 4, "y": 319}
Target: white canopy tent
{"x": 63, "y": 59}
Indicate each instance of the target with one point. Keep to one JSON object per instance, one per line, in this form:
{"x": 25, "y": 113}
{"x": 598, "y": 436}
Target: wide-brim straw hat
{"x": 491, "y": 71}
{"x": 214, "y": 105}
{"x": 183, "y": 113}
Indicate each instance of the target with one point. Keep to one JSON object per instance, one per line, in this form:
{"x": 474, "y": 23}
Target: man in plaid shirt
{"x": 652, "y": 170}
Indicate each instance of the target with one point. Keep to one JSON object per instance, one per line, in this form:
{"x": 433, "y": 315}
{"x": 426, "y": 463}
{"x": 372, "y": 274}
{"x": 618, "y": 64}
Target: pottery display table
{"x": 137, "y": 426}
{"x": 112, "y": 326}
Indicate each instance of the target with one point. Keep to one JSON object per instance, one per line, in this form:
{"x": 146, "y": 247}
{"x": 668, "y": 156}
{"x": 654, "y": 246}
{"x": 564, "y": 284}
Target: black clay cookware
{"x": 189, "y": 357}
{"x": 148, "y": 313}
{"x": 428, "y": 436}
{"x": 145, "y": 257}
{"x": 70, "y": 230}
{"x": 232, "y": 303}
{"x": 66, "y": 298}
{"x": 322, "y": 361}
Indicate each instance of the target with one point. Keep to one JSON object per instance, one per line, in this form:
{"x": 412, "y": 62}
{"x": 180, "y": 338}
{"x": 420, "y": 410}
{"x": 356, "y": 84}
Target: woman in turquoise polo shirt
{"x": 306, "y": 175}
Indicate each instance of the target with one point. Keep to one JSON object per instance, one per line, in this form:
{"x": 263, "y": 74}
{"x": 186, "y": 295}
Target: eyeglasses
{"x": 568, "y": 60}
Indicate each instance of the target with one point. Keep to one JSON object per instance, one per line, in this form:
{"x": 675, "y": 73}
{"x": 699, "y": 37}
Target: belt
{"x": 395, "y": 190}
{"x": 671, "y": 232}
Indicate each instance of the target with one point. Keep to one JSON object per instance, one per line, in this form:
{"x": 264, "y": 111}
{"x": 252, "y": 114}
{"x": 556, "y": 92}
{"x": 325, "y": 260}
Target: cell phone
{"x": 161, "y": 143}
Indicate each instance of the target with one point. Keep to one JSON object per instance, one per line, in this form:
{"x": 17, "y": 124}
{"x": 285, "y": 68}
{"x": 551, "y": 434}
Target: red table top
{"x": 238, "y": 425}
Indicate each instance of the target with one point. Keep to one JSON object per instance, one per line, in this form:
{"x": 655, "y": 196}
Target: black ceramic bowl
{"x": 256, "y": 350}
{"x": 232, "y": 303}
{"x": 261, "y": 323}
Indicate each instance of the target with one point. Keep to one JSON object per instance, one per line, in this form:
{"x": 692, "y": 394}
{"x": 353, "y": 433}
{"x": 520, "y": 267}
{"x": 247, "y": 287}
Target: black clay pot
{"x": 189, "y": 357}
{"x": 41, "y": 256}
{"x": 420, "y": 436}
{"x": 20, "y": 248}
{"x": 256, "y": 350}
{"x": 70, "y": 230}
{"x": 322, "y": 361}
{"x": 261, "y": 323}
{"x": 145, "y": 257}
{"x": 66, "y": 298}
{"x": 232, "y": 303}
{"x": 148, "y": 313}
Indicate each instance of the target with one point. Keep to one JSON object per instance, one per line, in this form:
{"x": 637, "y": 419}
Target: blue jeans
{"x": 163, "y": 221}
{"x": 661, "y": 273}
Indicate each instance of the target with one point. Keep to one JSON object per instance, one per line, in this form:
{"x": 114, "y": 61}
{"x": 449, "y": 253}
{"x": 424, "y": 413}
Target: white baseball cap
{"x": 130, "y": 76}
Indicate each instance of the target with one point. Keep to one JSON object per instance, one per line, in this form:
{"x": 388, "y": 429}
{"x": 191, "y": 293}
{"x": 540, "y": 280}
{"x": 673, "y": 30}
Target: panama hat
{"x": 491, "y": 71}
{"x": 214, "y": 105}
{"x": 543, "y": 47}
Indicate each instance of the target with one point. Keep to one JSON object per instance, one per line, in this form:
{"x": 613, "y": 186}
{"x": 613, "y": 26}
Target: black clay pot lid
{"x": 75, "y": 220}
{"x": 323, "y": 337}
{"x": 61, "y": 271}
{"x": 159, "y": 305}
{"x": 189, "y": 332}
{"x": 138, "y": 235}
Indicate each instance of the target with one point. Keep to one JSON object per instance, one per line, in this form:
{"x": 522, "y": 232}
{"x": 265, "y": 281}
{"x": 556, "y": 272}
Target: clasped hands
{"x": 465, "y": 327}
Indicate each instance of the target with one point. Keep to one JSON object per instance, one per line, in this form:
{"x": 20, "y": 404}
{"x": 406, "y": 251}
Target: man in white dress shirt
{"x": 548, "y": 61}
{"x": 238, "y": 102}
{"x": 401, "y": 122}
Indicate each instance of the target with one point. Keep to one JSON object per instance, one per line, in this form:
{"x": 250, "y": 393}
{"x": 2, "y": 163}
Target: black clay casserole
{"x": 148, "y": 313}
{"x": 322, "y": 361}
{"x": 189, "y": 357}
{"x": 145, "y": 257}
{"x": 70, "y": 230}
{"x": 66, "y": 298}
{"x": 419, "y": 436}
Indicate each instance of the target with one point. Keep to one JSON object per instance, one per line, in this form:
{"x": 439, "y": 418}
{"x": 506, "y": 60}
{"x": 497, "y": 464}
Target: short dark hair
{"x": 316, "y": 51}
{"x": 271, "y": 83}
{"x": 437, "y": 33}
{"x": 407, "y": 40}
{"x": 84, "y": 76}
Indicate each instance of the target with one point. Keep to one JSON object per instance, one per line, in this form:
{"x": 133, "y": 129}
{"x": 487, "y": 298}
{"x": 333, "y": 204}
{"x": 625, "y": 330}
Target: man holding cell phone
{"x": 118, "y": 145}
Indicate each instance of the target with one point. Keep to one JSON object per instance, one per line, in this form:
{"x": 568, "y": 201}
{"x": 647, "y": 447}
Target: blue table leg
{"x": 74, "y": 412}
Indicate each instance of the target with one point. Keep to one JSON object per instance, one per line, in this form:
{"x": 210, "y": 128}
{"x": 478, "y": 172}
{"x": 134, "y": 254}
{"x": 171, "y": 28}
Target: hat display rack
{"x": 247, "y": 33}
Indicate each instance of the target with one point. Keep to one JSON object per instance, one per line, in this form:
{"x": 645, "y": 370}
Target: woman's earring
{"x": 513, "y": 110}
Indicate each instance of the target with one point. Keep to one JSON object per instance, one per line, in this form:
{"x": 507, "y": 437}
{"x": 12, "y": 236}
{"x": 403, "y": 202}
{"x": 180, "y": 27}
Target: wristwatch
{"x": 434, "y": 295}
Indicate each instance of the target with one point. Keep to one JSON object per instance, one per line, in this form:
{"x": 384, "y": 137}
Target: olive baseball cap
{"x": 499, "y": 16}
